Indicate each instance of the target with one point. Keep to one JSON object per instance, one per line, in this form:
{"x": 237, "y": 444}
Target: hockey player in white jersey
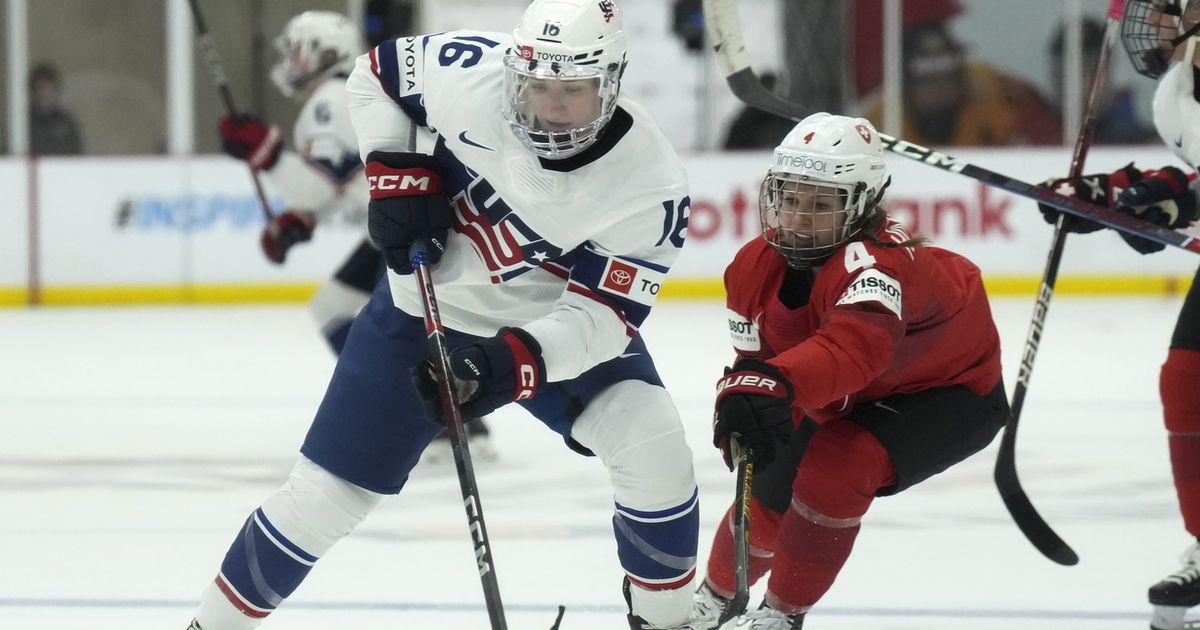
{"x": 321, "y": 180}
{"x": 1161, "y": 38}
{"x": 552, "y": 210}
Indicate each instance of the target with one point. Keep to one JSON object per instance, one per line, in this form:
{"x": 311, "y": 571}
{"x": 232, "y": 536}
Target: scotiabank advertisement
{"x": 1003, "y": 233}
{"x": 186, "y": 222}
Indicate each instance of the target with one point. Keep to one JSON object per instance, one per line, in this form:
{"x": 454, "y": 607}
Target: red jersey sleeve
{"x": 754, "y": 275}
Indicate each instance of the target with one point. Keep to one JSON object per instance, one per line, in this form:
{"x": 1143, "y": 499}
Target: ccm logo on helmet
{"x": 397, "y": 182}
{"x": 800, "y": 162}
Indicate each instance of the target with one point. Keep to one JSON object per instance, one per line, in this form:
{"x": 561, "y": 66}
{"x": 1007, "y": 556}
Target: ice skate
{"x": 765, "y": 619}
{"x": 1176, "y": 593}
{"x": 706, "y": 608}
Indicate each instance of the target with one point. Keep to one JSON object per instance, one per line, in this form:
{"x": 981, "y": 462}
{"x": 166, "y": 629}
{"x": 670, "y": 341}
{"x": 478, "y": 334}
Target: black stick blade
{"x": 1027, "y": 518}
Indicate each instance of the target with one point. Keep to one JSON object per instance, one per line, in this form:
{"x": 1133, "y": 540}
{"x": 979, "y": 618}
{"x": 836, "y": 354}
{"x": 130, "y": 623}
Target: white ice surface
{"x": 134, "y": 442}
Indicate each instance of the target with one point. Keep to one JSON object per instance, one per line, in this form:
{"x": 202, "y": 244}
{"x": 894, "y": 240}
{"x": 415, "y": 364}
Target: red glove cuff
{"x": 527, "y": 373}
{"x": 386, "y": 181}
{"x": 1119, "y": 180}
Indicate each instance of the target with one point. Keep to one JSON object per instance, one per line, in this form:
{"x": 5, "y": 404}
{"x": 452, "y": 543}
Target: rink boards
{"x": 161, "y": 229}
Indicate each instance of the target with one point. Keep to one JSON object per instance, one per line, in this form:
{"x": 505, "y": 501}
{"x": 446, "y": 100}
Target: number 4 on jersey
{"x": 857, "y": 257}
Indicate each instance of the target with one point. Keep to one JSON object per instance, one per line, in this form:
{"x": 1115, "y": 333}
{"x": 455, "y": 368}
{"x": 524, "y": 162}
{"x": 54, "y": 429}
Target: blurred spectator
{"x": 52, "y": 129}
{"x": 687, "y": 22}
{"x": 868, "y": 27}
{"x": 1117, "y": 122}
{"x": 948, "y": 101}
{"x": 756, "y": 129}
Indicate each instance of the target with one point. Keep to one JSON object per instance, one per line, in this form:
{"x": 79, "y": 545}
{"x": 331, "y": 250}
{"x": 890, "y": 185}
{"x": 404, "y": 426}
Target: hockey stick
{"x": 1015, "y": 499}
{"x": 439, "y": 359}
{"x": 220, "y": 80}
{"x": 741, "y": 530}
{"x": 724, "y": 29}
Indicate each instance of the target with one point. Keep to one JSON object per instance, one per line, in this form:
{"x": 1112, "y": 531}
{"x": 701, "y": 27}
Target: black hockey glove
{"x": 754, "y": 399}
{"x": 407, "y": 205}
{"x": 503, "y": 369}
{"x": 1098, "y": 188}
{"x": 1162, "y": 197}
{"x": 283, "y": 231}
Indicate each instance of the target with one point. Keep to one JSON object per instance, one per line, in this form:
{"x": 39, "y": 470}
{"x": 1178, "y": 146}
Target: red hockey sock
{"x": 763, "y": 526}
{"x": 842, "y": 469}
{"x": 1180, "y": 391}
{"x": 807, "y": 561}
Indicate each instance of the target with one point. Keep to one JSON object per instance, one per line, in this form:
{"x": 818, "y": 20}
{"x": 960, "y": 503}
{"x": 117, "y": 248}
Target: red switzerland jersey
{"x": 879, "y": 321}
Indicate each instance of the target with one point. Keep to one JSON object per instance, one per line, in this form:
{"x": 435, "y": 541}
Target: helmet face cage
{"x": 807, "y": 220}
{"x": 313, "y": 46}
{"x": 558, "y": 109}
{"x": 1152, "y": 29}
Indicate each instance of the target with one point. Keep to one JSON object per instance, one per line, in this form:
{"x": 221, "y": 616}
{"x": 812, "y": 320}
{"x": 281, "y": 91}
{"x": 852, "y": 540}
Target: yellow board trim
{"x": 673, "y": 289}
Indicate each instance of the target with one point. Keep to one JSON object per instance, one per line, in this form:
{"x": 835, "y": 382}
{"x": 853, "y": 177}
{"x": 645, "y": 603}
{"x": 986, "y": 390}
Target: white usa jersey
{"x": 324, "y": 174}
{"x": 1177, "y": 114}
{"x": 574, "y": 251}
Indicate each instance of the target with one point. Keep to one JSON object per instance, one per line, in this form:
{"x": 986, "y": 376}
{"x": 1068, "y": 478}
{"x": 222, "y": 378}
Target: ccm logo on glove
{"x": 385, "y": 181}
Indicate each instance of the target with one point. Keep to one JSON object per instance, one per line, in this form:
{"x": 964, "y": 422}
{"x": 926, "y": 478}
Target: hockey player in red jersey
{"x": 1161, "y": 37}
{"x": 866, "y": 363}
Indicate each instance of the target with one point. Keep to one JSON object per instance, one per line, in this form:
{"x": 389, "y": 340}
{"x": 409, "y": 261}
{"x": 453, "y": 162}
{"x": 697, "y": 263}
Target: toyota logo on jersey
{"x": 620, "y": 277}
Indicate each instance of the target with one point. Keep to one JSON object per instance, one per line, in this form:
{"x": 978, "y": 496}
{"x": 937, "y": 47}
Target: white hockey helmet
{"x": 563, "y": 74}
{"x": 314, "y": 45}
{"x": 1151, "y": 30}
{"x": 826, "y": 181}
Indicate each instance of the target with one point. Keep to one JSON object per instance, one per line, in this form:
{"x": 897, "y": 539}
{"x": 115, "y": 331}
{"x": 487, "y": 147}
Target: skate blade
{"x": 1174, "y": 618}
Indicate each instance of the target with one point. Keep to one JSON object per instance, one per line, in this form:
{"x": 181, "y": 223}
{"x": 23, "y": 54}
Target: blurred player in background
{"x": 1160, "y": 37}
{"x": 322, "y": 180}
{"x": 551, "y": 208}
{"x": 867, "y": 362}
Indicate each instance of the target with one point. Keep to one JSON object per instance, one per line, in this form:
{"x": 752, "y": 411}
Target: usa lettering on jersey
{"x": 506, "y": 244}
{"x": 872, "y": 285}
{"x": 744, "y": 332}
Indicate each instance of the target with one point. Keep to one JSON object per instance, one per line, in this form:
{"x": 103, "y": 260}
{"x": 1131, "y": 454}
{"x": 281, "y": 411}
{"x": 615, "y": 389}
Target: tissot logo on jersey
{"x": 743, "y": 331}
{"x": 630, "y": 280}
{"x": 872, "y": 285}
